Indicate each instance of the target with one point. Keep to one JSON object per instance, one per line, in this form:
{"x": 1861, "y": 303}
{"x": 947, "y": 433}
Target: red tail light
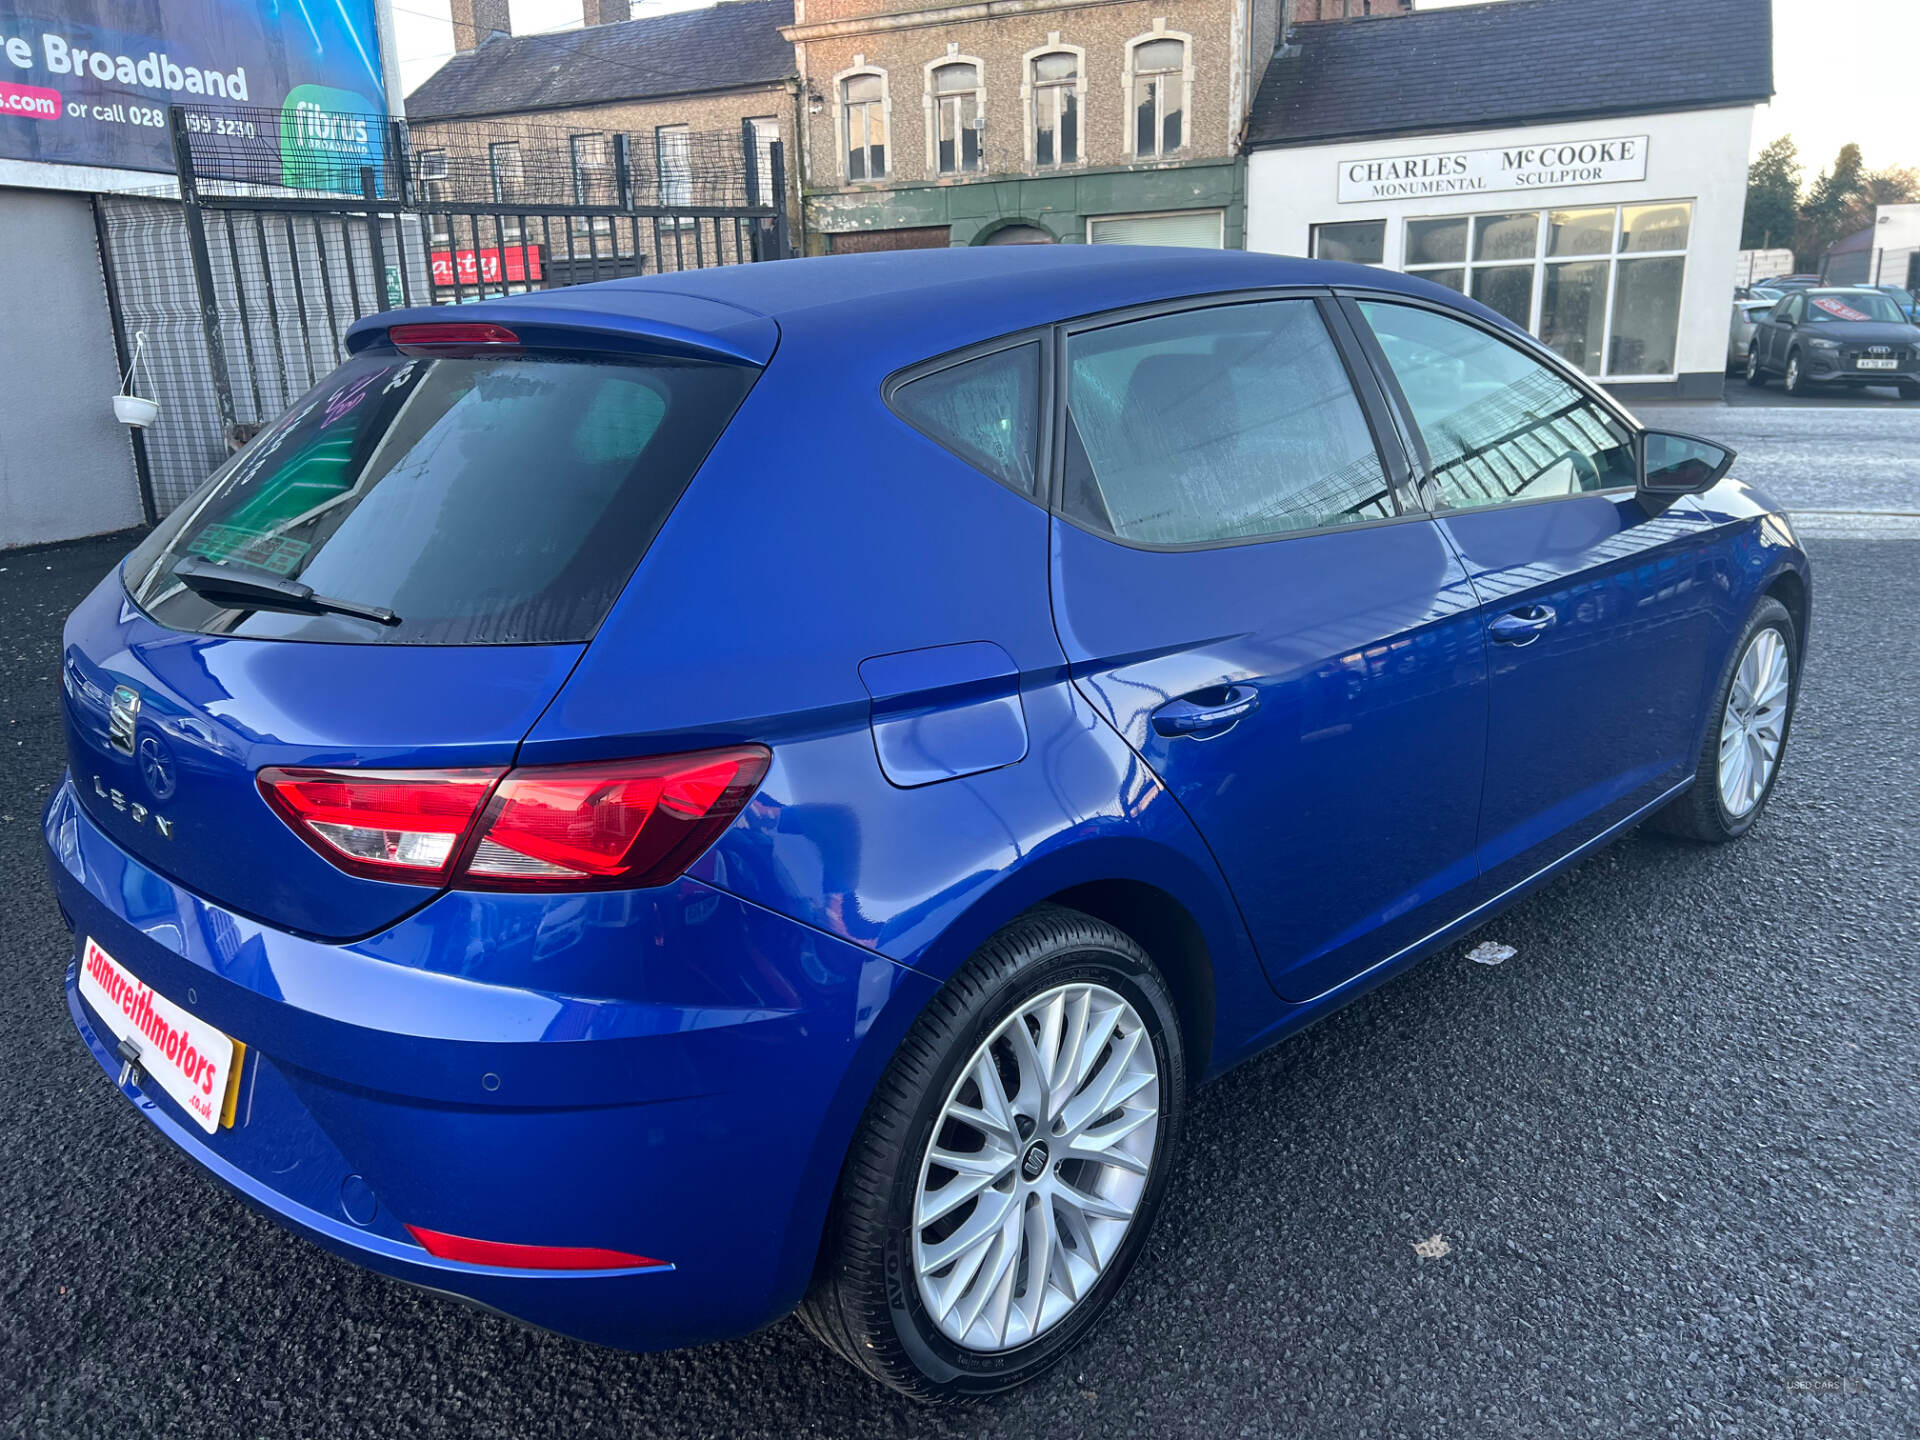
{"x": 390, "y": 824}
{"x": 608, "y": 825}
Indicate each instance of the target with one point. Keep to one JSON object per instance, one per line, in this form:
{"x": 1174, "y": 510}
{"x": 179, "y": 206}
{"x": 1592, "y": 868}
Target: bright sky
{"x": 1823, "y": 101}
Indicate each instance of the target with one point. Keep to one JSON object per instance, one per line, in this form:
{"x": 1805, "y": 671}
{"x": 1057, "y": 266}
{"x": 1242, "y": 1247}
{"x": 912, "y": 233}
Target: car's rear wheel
{"x": 1009, "y": 1165}
{"x": 1747, "y": 739}
{"x": 1755, "y": 375}
{"x": 1794, "y": 383}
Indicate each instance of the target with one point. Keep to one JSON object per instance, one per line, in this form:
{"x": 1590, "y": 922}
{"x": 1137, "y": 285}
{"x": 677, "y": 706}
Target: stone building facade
{"x": 535, "y": 116}
{"x": 1050, "y": 120}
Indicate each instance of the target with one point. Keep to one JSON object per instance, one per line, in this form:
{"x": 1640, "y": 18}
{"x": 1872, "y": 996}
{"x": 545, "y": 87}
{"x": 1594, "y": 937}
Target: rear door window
{"x": 486, "y": 500}
{"x": 1233, "y": 422}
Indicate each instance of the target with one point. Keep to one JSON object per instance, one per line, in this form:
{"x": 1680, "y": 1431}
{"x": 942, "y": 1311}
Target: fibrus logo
{"x": 326, "y": 135}
{"x": 317, "y": 129}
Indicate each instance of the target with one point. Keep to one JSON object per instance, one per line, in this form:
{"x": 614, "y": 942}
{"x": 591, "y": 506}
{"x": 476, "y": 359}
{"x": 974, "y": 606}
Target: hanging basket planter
{"x": 135, "y": 410}
{"x": 129, "y": 408}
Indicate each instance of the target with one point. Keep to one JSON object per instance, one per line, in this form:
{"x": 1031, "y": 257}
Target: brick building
{"x": 1049, "y": 120}
{"x": 680, "y": 87}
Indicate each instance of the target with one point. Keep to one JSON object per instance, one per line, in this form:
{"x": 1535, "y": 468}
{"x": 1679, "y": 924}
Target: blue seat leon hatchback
{"x": 654, "y": 805}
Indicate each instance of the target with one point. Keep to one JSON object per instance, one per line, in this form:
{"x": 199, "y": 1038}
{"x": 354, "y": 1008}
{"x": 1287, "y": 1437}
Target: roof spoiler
{"x": 624, "y": 321}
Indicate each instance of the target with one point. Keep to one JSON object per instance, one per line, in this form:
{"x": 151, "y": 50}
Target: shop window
{"x": 1159, "y": 85}
{"x": 956, "y": 106}
{"x": 1363, "y": 242}
{"x": 1055, "y": 84}
{"x": 863, "y": 124}
{"x": 1193, "y": 229}
{"x": 1600, "y": 285}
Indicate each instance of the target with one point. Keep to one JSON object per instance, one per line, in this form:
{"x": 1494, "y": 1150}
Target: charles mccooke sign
{"x": 1511, "y": 167}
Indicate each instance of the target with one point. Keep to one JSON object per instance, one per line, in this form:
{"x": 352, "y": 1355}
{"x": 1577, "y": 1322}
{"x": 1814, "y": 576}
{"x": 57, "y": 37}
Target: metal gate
{"x": 289, "y": 229}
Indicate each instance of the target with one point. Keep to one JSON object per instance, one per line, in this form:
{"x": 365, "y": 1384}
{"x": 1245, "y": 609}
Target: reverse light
{"x": 527, "y": 1257}
{"x": 435, "y": 335}
{"x": 389, "y": 824}
{"x": 620, "y": 824}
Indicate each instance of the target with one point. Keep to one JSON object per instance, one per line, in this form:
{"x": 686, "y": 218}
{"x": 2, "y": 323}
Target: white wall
{"x": 66, "y": 465}
{"x": 1700, "y": 156}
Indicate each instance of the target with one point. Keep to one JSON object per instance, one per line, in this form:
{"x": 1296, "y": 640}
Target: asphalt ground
{"x": 1670, "y": 1146}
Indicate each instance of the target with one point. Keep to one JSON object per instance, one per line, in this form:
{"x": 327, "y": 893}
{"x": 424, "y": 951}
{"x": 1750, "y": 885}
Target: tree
{"x": 1773, "y": 196}
{"x": 1830, "y": 207}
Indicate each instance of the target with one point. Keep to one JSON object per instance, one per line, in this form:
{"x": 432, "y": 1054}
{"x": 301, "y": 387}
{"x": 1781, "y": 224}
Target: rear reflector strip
{"x": 527, "y": 1257}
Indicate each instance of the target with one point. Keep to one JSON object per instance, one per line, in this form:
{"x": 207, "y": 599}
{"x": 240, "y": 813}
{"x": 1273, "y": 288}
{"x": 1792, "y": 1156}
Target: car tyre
{"x": 1909, "y": 390}
{"x": 1795, "y": 383}
{"x": 1756, "y": 377}
{"x": 869, "y": 1301}
{"x": 1704, "y": 812}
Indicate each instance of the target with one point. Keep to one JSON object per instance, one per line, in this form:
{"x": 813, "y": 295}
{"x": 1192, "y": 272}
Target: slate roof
{"x": 1509, "y": 63}
{"x": 723, "y": 48}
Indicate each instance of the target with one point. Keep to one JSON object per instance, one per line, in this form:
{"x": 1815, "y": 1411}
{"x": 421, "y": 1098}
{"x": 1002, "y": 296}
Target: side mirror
{"x": 1670, "y": 465}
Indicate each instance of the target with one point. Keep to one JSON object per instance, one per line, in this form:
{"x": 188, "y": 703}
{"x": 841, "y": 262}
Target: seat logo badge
{"x": 123, "y": 712}
{"x": 1035, "y": 1161}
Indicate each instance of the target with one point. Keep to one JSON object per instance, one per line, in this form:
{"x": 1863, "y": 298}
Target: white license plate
{"x": 194, "y": 1063}
{"x": 1864, "y": 364}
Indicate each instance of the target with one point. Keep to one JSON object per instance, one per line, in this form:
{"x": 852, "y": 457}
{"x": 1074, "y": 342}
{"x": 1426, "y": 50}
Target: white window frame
{"x": 1220, "y": 215}
{"x": 496, "y": 173}
{"x": 1129, "y": 131}
{"x": 1541, "y": 261}
{"x": 929, "y": 108}
{"x": 860, "y": 67}
{"x": 1030, "y": 102}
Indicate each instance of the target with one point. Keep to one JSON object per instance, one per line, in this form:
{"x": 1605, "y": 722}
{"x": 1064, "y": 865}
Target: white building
{"x": 1578, "y": 165}
{"x": 1887, "y": 252}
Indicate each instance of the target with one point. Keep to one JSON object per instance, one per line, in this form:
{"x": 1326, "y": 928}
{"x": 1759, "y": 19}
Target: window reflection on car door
{"x": 1240, "y": 594}
{"x": 1597, "y": 614}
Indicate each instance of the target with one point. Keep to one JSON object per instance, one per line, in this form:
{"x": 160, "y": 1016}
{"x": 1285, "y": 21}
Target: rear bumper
{"x": 698, "y": 1117}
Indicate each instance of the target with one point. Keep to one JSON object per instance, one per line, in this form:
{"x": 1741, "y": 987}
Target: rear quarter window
{"x": 483, "y": 500}
{"x": 986, "y": 410}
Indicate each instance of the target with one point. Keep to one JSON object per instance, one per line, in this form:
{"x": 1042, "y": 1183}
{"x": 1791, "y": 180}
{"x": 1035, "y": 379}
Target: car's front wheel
{"x": 1747, "y": 739}
{"x": 1755, "y": 375}
{"x": 1909, "y": 390}
{"x": 1008, "y": 1166}
{"x": 1795, "y": 383}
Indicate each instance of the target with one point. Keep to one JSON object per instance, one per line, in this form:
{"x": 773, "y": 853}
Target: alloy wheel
{"x": 1754, "y": 723}
{"x": 1753, "y": 363}
{"x": 1793, "y": 375}
{"x": 1036, "y": 1166}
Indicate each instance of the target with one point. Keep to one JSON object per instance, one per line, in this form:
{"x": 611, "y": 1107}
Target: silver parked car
{"x": 1740, "y": 332}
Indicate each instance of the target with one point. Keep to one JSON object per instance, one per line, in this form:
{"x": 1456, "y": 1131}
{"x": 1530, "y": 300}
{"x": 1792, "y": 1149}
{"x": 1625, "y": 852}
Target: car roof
{"x": 885, "y": 310}
{"x": 993, "y": 289}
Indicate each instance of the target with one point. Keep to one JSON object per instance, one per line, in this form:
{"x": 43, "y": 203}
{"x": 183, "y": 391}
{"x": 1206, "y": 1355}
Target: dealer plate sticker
{"x": 191, "y": 1061}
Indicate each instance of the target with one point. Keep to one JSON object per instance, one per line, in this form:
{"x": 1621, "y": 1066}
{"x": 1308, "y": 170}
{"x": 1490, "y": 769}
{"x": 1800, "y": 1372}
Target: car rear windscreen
{"x": 497, "y": 500}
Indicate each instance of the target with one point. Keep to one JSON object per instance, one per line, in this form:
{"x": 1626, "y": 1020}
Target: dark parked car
{"x": 657, "y": 805}
{"x": 1838, "y": 337}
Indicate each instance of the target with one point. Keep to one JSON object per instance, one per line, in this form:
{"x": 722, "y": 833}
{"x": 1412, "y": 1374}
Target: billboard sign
{"x": 88, "y": 82}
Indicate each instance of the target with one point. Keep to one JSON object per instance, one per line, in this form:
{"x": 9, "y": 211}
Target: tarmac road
{"x": 1670, "y": 1146}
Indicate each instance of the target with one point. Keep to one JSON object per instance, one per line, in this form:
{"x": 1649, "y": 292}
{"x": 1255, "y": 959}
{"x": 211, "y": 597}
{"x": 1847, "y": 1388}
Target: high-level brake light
{"x": 434, "y": 335}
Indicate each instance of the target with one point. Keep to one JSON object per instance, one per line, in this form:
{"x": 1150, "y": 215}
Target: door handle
{"x": 1522, "y": 626}
{"x": 1206, "y": 713}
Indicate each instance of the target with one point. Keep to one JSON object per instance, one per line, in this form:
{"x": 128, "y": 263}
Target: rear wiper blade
{"x": 261, "y": 590}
